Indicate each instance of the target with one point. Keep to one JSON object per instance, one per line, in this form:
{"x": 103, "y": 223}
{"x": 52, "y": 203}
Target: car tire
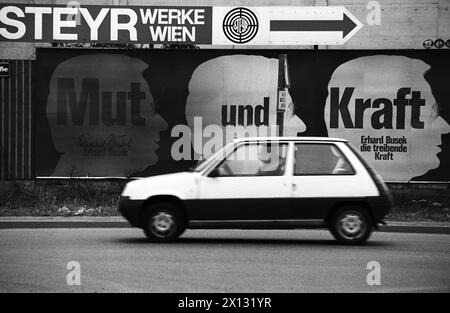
{"x": 163, "y": 222}
{"x": 351, "y": 225}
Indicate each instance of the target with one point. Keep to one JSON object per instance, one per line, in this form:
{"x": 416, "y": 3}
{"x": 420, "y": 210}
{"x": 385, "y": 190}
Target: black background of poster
{"x": 169, "y": 73}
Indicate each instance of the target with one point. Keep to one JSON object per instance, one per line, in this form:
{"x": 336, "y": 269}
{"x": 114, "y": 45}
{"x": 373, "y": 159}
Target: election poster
{"x": 134, "y": 113}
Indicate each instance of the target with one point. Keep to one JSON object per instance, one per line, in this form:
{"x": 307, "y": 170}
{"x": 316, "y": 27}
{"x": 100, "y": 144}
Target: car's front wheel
{"x": 351, "y": 225}
{"x": 163, "y": 222}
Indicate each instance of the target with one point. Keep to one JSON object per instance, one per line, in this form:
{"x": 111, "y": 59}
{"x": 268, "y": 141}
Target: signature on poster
{"x": 112, "y": 145}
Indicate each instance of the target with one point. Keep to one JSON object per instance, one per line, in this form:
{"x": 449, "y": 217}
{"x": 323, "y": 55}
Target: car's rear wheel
{"x": 351, "y": 225}
{"x": 163, "y": 222}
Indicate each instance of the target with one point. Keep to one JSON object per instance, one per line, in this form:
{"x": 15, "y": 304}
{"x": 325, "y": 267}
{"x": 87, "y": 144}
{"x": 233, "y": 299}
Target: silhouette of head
{"x": 236, "y": 96}
{"x": 102, "y": 116}
{"x": 390, "y": 99}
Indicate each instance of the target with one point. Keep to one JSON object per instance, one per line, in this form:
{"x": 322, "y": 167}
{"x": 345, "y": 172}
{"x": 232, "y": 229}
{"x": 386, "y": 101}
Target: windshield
{"x": 219, "y": 155}
{"x": 198, "y": 166}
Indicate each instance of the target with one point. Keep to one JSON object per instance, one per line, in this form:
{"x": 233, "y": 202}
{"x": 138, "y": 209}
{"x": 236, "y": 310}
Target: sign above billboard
{"x": 180, "y": 25}
{"x": 105, "y": 24}
{"x": 284, "y": 25}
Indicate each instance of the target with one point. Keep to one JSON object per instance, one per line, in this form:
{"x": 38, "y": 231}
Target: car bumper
{"x": 381, "y": 206}
{"x": 131, "y": 210}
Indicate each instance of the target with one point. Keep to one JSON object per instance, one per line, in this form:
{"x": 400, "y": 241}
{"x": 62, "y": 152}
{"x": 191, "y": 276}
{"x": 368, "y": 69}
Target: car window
{"x": 320, "y": 159}
{"x": 220, "y": 154}
{"x": 255, "y": 159}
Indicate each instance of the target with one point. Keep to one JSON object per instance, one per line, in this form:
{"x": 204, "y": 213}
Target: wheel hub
{"x": 162, "y": 223}
{"x": 351, "y": 225}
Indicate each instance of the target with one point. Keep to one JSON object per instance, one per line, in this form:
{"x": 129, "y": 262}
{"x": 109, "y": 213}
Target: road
{"x": 121, "y": 260}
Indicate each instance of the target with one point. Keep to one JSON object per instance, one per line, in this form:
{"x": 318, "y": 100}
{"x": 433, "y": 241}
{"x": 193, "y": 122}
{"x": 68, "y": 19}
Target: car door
{"x": 322, "y": 176}
{"x": 250, "y": 184}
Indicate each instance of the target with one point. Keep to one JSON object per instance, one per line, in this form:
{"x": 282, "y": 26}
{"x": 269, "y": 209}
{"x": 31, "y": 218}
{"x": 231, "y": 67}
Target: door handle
{"x": 294, "y": 186}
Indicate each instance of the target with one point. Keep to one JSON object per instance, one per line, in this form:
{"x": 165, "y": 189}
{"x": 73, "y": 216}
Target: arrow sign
{"x": 346, "y": 25}
{"x": 321, "y": 25}
{"x": 314, "y": 26}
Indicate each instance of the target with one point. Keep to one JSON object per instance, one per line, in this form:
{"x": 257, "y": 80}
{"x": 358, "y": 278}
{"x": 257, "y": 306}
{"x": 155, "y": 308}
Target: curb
{"x": 118, "y": 222}
{"x": 416, "y": 229}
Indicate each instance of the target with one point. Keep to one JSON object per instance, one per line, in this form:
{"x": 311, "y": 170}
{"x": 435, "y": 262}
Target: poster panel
{"x": 121, "y": 113}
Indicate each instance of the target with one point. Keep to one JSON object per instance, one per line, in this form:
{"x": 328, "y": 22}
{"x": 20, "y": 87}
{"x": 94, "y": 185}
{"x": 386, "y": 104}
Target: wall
{"x": 405, "y": 24}
{"x": 16, "y": 122}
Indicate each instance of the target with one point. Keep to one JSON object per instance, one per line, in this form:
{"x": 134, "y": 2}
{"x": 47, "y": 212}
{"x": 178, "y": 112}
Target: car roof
{"x": 325, "y": 139}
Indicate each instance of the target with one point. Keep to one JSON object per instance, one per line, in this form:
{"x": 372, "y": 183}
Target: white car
{"x": 264, "y": 183}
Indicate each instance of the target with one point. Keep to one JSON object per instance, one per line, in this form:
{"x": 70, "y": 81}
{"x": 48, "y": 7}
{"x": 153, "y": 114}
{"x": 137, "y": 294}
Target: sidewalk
{"x": 11, "y": 222}
{"x": 62, "y": 222}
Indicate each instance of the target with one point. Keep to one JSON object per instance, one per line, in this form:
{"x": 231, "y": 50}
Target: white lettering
{"x": 76, "y": 17}
{"x": 149, "y": 16}
{"x": 191, "y": 34}
{"x": 199, "y": 16}
{"x": 58, "y": 23}
{"x": 374, "y": 276}
{"x": 163, "y": 16}
{"x": 38, "y": 12}
{"x": 186, "y": 16}
{"x": 10, "y": 22}
{"x": 94, "y": 24}
{"x": 176, "y": 33}
{"x": 74, "y": 275}
{"x": 159, "y": 34}
{"x": 129, "y": 26}
{"x": 374, "y": 16}
{"x": 174, "y": 16}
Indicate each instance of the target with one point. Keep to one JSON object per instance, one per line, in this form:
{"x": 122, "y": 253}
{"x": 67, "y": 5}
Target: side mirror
{"x": 214, "y": 173}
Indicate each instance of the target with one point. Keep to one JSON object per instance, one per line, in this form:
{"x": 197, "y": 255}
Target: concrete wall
{"x": 405, "y": 24}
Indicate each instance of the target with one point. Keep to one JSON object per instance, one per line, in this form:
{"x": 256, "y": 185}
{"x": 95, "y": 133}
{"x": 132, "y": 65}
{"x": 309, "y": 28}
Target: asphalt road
{"x": 121, "y": 260}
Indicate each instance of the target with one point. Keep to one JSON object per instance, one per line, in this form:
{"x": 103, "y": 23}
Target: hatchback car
{"x": 264, "y": 183}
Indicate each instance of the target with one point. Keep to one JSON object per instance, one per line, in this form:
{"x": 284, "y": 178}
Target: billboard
{"x": 121, "y": 113}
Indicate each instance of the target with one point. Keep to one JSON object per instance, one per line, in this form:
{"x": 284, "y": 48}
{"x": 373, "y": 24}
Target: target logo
{"x": 240, "y": 25}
